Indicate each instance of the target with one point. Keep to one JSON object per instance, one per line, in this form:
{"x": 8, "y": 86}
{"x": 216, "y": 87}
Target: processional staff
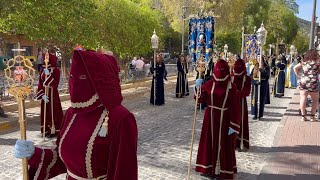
{"x": 45, "y": 99}
{"x": 201, "y": 68}
{"x": 20, "y": 77}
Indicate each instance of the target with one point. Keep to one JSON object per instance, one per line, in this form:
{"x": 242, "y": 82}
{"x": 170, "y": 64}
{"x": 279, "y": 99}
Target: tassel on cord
{"x": 53, "y": 130}
{"x": 103, "y": 132}
{"x": 217, "y": 170}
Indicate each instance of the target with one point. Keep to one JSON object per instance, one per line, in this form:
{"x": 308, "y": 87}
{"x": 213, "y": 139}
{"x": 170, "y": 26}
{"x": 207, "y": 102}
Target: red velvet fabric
{"x": 53, "y": 107}
{"x": 221, "y": 71}
{"x": 53, "y": 59}
{"x": 214, "y": 125}
{"x": 82, "y": 149}
{"x": 243, "y": 83}
{"x": 240, "y": 67}
{"x": 102, "y": 72}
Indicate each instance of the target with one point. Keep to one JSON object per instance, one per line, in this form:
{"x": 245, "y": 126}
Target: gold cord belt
{"x": 81, "y": 178}
{"x": 215, "y": 107}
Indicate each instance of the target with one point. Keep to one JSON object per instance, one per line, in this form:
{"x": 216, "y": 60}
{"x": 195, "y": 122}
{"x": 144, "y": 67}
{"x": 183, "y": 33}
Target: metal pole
{"x": 23, "y": 135}
{"x": 242, "y": 47}
{"x": 260, "y": 66}
{"x": 154, "y": 77}
{"x": 183, "y": 27}
{"x": 313, "y": 24}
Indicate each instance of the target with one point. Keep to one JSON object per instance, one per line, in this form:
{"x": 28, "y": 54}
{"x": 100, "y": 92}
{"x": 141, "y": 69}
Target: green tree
{"x": 60, "y": 24}
{"x": 231, "y": 38}
{"x": 301, "y": 42}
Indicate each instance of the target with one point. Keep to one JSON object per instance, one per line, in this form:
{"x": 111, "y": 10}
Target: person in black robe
{"x": 257, "y": 108}
{"x": 280, "y": 78}
{"x": 182, "y": 86}
{"x": 158, "y": 76}
{"x": 273, "y": 65}
{"x": 266, "y": 65}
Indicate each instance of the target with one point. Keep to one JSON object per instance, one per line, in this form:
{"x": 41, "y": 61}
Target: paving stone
{"x": 164, "y": 139}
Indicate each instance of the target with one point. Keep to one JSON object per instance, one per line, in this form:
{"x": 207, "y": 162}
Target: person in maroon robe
{"x": 243, "y": 83}
{"x": 50, "y": 78}
{"x": 216, "y": 153}
{"x": 98, "y": 138}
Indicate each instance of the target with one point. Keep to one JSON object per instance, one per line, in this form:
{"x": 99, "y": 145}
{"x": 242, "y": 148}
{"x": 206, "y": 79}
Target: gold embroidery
{"x": 103, "y": 177}
{"x": 53, "y": 162}
{"x": 88, "y": 103}
{"x": 200, "y": 165}
{"x": 36, "y": 176}
{"x": 90, "y": 144}
{"x": 65, "y": 133}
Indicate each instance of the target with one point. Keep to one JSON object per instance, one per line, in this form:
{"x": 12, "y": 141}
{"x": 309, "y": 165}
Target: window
{"x": 28, "y": 51}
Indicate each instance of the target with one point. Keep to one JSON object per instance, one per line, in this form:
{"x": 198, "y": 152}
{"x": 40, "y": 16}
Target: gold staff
{"x": 20, "y": 77}
{"x": 46, "y": 61}
{"x": 201, "y": 67}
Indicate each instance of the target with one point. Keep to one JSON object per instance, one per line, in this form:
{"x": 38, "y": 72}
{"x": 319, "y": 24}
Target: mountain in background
{"x": 304, "y": 25}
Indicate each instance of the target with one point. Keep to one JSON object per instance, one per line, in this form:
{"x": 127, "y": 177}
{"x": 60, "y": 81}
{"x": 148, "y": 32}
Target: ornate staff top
{"x": 19, "y": 75}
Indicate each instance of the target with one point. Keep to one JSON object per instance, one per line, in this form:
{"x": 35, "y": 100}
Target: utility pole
{"x": 313, "y": 24}
{"x": 184, "y": 10}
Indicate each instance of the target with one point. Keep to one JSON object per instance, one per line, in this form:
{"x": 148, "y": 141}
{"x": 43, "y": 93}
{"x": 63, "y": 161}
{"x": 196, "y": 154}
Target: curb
{"x": 12, "y": 107}
{"x": 11, "y": 123}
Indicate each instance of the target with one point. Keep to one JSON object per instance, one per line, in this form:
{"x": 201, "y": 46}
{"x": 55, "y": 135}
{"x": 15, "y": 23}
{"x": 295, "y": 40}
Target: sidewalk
{"x": 296, "y": 151}
{"x": 129, "y": 92}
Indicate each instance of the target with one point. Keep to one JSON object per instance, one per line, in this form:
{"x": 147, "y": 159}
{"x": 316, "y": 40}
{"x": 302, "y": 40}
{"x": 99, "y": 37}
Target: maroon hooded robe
{"x": 216, "y": 153}
{"x": 82, "y": 152}
{"x": 54, "y": 113}
{"x": 243, "y": 83}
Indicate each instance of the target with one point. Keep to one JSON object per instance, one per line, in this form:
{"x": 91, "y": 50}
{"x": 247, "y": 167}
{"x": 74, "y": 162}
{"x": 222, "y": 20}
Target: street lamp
{"x": 225, "y": 50}
{"x": 155, "y": 46}
{"x": 262, "y": 37}
{"x": 184, "y": 10}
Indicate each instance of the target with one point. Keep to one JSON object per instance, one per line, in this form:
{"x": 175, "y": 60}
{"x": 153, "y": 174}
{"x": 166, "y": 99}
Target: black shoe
{"x": 255, "y": 118}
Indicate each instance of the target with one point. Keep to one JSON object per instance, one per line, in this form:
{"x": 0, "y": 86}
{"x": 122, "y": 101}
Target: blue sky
{"x": 305, "y": 9}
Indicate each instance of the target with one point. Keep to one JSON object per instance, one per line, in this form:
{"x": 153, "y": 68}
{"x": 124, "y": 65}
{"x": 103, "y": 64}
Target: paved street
{"x": 164, "y": 139}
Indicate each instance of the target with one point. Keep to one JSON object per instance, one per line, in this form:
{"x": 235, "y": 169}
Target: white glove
{"x": 46, "y": 71}
{"x": 45, "y": 98}
{"x": 23, "y": 149}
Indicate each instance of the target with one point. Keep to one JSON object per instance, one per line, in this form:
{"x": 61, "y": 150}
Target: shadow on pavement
{"x": 9, "y": 141}
{"x": 309, "y": 149}
{"x": 264, "y": 176}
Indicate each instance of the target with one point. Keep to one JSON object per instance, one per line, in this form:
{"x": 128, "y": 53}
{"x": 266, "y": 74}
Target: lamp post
{"x": 184, "y": 10}
{"x": 292, "y": 50}
{"x": 313, "y": 24}
{"x": 225, "y": 50}
{"x": 155, "y": 46}
{"x": 242, "y": 44}
{"x": 262, "y": 37}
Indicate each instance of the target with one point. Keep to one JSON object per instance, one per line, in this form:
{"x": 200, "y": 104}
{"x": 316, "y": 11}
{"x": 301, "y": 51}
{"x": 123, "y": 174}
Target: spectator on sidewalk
{"x": 308, "y": 85}
{"x": 133, "y": 62}
{"x": 139, "y": 64}
{"x": 39, "y": 60}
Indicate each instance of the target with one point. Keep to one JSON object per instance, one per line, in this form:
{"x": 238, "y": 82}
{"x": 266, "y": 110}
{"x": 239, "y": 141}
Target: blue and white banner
{"x": 209, "y": 31}
{"x": 252, "y": 46}
{"x": 192, "y": 38}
